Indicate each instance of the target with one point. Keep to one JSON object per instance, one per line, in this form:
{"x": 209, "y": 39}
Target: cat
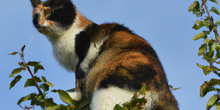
{"x": 111, "y": 63}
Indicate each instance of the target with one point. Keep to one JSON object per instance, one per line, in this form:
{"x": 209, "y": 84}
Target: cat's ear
{"x": 35, "y": 3}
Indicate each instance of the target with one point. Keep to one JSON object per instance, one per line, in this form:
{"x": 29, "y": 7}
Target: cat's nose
{"x": 36, "y": 22}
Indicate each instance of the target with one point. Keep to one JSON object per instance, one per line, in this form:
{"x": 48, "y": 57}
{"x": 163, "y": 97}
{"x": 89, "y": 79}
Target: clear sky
{"x": 165, "y": 24}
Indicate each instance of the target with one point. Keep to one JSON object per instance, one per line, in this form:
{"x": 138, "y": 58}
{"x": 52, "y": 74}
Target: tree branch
{"x": 203, "y": 2}
{"x": 32, "y": 75}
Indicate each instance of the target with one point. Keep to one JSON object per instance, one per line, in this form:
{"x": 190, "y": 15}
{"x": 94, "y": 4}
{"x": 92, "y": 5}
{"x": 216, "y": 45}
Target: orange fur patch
{"x": 83, "y": 20}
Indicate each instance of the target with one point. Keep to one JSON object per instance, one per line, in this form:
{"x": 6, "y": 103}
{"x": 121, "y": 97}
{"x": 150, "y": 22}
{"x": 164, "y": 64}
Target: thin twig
{"x": 32, "y": 75}
{"x": 203, "y": 2}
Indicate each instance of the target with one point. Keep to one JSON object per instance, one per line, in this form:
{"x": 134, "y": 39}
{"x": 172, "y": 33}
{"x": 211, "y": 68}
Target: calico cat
{"x": 109, "y": 60}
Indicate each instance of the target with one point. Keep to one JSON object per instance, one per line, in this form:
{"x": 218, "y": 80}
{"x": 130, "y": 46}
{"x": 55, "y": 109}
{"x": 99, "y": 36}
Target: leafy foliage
{"x": 42, "y": 85}
{"x": 137, "y": 101}
{"x": 210, "y": 50}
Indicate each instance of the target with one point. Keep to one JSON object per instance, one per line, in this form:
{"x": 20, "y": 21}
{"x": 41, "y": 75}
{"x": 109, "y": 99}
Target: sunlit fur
{"x": 110, "y": 61}
{"x": 64, "y": 47}
{"x": 77, "y": 96}
{"x": 106, "y": 99}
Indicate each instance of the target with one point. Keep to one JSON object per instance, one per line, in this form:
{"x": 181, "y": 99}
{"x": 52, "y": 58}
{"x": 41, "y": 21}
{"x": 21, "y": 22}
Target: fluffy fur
{"x": 106, "y": 99}
{"x": 77, "y": 96}
{"x": 64, "y": 47}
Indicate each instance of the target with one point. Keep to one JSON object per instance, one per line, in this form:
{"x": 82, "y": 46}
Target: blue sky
{"x": 165, "y": 24}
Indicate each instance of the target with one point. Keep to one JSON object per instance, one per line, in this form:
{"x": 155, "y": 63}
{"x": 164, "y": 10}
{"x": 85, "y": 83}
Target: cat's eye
{"x": 48, "y": 11}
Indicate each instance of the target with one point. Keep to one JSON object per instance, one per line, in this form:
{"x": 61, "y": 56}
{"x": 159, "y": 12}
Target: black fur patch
{"x": 79, "y": 72}
{"x": 142, "y": 75}
{"x": 119, "y": 81}
{"x": 120, "y": 28}
{"x": 64, "y": 12}
{"x": 82, "y": 43}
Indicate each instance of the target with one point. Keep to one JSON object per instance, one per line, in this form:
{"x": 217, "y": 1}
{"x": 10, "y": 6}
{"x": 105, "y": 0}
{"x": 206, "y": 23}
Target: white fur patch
{"x": 106, "y": 99}
{"x": 75, "y": 95}
{"x": 92, "y": 53}
{"x": 64, "y": 46}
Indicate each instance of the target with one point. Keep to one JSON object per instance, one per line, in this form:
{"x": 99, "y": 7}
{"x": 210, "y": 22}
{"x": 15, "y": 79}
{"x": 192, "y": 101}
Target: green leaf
{"x": 39, "y": 97}
{"x": 64, "y": 96}
{"x": 49, "y": 84}
{"x": 39, "y": 67}
{"x": 83, "y": 104}
{"x": 37, "y": 79}
{"x": 16, "y": 71}
{"x": 202, "y": 49}
{"x": 33, "y": 63}
{"x": 217, "y": 46}
{"x": 217, "y": 4}
{"x": 44, "y": 79}
{"x": 208, "y": 56}
{"x": 171, "y": 87}
{"x": 211, "y": 47}
{"x": 204, "y": 89}
{"x": 22, "y": 49}
{"x": 143, "y": 90}
{"x": 208, "y": 22}
{"x": 118, "y": 107}
{"x": 208, "y": 86}
{"x": 38, "y": 103}
{"x": 217, "y": 22}
{"x": 62, "y": 107}
{"x": 58, "y": 107}
{"x": 136, "y": 102}
{"x": 13, "y": 82}
{"x": 25, "y": 98}
{"x": 215, "y": 10}
{"x": 45, "y": 87}
{"x": 14, "y": 53}
{"x": 71, "y": 90}
{"x": 206, "y": 69}
{"x": 199, "y": 36}
{"x": 217, "y": 54}
{"x": 55, "y": 107}
{"x": 217, "y": 106}
{"x": 206, "y": 40}
{"x": 194, "y": 7}
{"x": 48, "y": 102}
{"x": 22, "y": 64}
{"x": 30, "y": 82}
{"x": 198, "y": 24}
{"x": 212, "y": 101}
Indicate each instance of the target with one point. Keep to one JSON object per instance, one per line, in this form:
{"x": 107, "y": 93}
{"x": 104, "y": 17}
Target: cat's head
{"x": 53, "y": 16}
